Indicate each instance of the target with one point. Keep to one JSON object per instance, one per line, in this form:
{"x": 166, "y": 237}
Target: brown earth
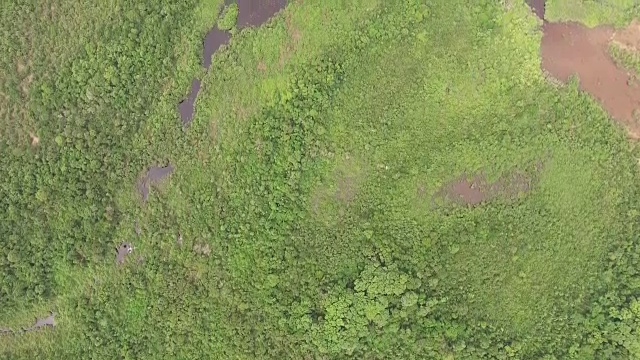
{"x": 474, "y": 190}
{"x": 573, "y": 49}
{"x": 629, "y": 37}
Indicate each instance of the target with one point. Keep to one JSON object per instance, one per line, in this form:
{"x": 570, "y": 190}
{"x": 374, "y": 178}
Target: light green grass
{"x": 309, "y": 169}
{"x": 593, "y": 13}
{"x": 626, "y": 58}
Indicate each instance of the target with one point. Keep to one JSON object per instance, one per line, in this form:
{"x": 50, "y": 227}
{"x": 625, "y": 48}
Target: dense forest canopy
{"x": 361, "y": 179}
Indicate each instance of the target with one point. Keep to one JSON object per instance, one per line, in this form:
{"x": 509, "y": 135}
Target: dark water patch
{"x": 257, "y": 12}
{"x": 156, "y": 174}
{"x": 153, "y": 176}
{"x": 187, "y": 108}
{"x": 214, "y": 39}
{"x": 250, "y": 13}
{"x": 538, "y": 7}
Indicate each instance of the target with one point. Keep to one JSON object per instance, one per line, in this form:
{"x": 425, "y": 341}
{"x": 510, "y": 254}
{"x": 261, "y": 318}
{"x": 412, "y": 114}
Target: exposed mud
{"x": 629, "y": 37}
{"x": 153, "y": 176}
{"x": 573, "y": 49}
{"x": 257, "y": 12}
{"x": 474, "y": 190}
{"x": 570, "y": 48}
{"x": 538, "y": 7}
{"x": 187, "y": 107}
{"x": 214, "y": 39}
{"x": 122, "y": 251}
{"x": 45, "y": 322}
{"x": 49, "y": 321}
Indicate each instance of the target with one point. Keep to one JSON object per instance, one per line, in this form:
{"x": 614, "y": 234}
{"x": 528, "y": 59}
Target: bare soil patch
{"x": 573, "y": 49}
{"x": 476, "y": 189}
{"x": 629, "y": 37}
{"x": 122, "y": 251}
{"x": 40, "y": 323}
{"x": 34, "y": 139}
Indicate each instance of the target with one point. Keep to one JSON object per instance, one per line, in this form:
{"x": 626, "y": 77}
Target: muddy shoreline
{"x": 571, "y": 49}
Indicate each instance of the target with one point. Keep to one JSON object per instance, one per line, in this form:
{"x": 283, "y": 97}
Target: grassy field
{"x": 301, "y": 220}
{"x": 593, "y": 12}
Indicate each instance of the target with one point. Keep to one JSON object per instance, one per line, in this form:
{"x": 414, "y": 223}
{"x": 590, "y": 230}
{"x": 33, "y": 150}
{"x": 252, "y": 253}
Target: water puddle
{"x": 257, "y": 12}
{"x": 187, "y": 107}
{"x": 153, "y": 176}
{"x": 214, "y": 39}
{"x": 250, "y": 13}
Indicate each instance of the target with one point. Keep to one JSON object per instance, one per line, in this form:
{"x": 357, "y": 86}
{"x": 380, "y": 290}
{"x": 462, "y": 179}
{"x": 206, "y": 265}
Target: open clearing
{"x": 356, "y": 179}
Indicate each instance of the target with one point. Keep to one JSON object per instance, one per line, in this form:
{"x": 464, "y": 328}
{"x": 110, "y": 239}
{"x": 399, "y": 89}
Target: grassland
{"x": 593, "y": 13}
{"x": 308, "y": 175}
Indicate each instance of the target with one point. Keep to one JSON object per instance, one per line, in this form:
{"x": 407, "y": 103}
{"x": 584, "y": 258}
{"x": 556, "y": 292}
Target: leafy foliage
{"x": 593, "y": 12}
{"x": 309, "y": 180}
{"x": 228, "y": 18}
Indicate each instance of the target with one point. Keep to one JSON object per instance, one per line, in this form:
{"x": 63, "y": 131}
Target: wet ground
{"x": 45, "y": 322}
{"x": 538, "y": 7}
{"x": 629, "y": 37}
{"x": 122, "y": 251}
{"x": 257, "y": 12}
{"x": 153, "y": 176}
{"x": 214, "y": 39}
{"x": 573, "y": 49}
{"x": 476, "y": 189}
{"x": 570, "y": 49}
{"x": 250, "y": 13}
{"x": 187, "y": 107}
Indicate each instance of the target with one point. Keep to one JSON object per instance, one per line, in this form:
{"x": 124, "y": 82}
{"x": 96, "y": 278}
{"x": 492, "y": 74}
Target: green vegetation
{"x": 228, "y": 18}
{"x": 624, "y": 57}
{"x": 593, "y": 12}
{"x": 308, "y": 174}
